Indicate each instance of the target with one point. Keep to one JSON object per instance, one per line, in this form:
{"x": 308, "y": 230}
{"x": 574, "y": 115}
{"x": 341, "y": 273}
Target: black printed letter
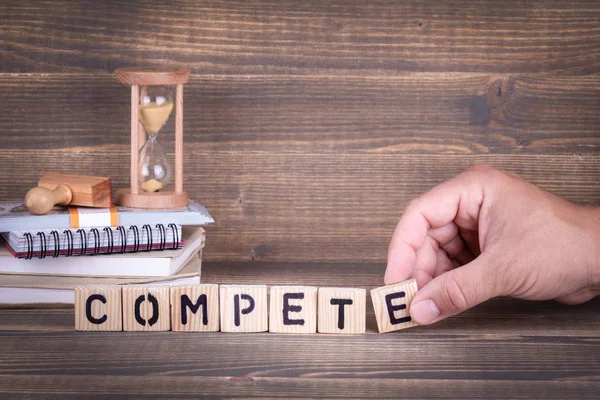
{"x": 341, "y": 303}
{"x": 138, "y": 304}
{"x": 88, "y": 309}
{"x": 236, "y": 305}
{"x": 287, "y": 308}
{"x": 392, "y": 308}
{"x": 186, "y": 302}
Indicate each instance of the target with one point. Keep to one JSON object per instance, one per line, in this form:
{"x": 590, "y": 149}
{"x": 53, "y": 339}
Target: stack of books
{"x": 43, "y": 257}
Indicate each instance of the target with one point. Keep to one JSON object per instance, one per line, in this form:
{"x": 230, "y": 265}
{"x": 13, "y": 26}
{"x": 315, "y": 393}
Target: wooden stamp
{"x": 244, "y": 308}
{"x": 392, "y": 305}
{"x": 62, "y": 189}
{"x": 98, "y": 308}
{"x": 342, "y": 310}
{"x": 293, "y": 309}
{"x": 195, "y": 308}
{"x": 146, "y": 308}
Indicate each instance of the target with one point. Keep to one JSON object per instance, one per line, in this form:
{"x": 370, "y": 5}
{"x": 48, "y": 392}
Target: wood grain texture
{"x": 394, "y": 314}
{"x": 163, "y": 199}
{"x": 243, "y": 308}
{"x": 89, "y": 191}
{"x": 107, "y": 309}
{"x": 300, "y": 309}
{"x": 341, "y": 310}
{"x": 271, "y": 36}
{"x": 135, "y": 141}
{"x": 194, "y": 310}
{"x": 503, "y": 348}
{"x": 433, "y": 113}
{"x": 142, "y": 76}
{"x": 154, "y": 308}
{"x": 351, "y": 385}
{"x": 296, "y": 206}
{"x": 179, "y": 139}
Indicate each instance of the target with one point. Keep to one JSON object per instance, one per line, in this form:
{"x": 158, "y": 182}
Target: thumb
{"x": 455, "y": 291}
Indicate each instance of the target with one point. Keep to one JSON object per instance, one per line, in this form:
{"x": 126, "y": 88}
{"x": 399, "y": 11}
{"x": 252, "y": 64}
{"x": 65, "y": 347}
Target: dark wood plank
{"x": 158, "y": 387}
{"x": 273, "y": 36}
{"x": 297, "y": 206}
{"x": 455, "y": 113}
{"x": 259, "y": 365}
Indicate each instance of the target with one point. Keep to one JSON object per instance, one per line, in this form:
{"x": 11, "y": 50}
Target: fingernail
{"x": 424, "y": 312}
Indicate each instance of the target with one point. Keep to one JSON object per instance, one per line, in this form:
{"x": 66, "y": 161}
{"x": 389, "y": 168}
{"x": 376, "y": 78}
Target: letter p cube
{"x": 244, "y": 308}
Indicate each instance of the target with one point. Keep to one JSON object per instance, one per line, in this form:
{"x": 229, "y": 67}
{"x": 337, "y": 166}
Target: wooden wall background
{"x": 309, "y": 124}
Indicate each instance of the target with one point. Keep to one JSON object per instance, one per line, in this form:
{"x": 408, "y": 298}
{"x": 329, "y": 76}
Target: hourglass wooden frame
{"x": 138, "y": 78}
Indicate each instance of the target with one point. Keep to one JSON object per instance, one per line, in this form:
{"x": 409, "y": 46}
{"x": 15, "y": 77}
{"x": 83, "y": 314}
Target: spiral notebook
{"x": 92, "y": 241}
{"x": 140, "y": 264}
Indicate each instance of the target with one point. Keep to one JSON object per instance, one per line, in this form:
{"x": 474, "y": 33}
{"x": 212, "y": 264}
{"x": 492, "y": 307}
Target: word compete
{"x": 241, "y": 308}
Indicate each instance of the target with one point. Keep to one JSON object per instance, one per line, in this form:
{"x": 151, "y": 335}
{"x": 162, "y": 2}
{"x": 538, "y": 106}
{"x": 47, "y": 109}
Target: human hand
{"x": 488, "y": 233}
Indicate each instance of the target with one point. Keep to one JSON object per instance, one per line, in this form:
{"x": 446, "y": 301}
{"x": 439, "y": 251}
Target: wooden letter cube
{"x": 98, "y": 308}
{"x": 293, "y": 309}
{"x": 392, "y": 305}
{"x": 195, "y": 308}
{"x": 244, "y": 308}
{"x": 146, "y": 308}
{"x": 342, "y": 310}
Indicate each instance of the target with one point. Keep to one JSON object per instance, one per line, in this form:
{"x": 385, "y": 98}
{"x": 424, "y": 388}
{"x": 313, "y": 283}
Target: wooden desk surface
{"x": 504, "y": 348}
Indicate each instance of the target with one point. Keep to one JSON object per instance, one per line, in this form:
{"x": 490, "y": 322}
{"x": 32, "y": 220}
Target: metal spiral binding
{"x": 123, "y": 238}
{"x": 56, "y": 244}
{"x": 109, "y": 236}
{"x": 69, "y": 246}
{"x": 148, "y": 230}
{"x": 136, "y": 238}
{"x": 163, "y": 236}
{"x": 96, "y": 234}
{"x": 43, "y": 244}
{"x": 175, "y": 235}
{"x": 83, "y": 237}
{"x": 70, "y": 243}
{"x": 29, "y": 239}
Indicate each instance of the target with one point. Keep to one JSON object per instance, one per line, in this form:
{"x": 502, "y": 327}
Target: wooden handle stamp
{"x": 41, "y": 200}
{"x": 63, "y": 189}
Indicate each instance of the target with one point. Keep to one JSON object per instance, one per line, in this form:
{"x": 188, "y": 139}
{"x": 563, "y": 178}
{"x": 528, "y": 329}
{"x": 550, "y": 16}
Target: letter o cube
{"x": 146, "y": 308}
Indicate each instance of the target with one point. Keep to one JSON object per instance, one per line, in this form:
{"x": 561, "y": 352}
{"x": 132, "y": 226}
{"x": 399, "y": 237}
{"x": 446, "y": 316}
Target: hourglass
{"x": 154, "y": 171}
{"x": 152, "y": 103}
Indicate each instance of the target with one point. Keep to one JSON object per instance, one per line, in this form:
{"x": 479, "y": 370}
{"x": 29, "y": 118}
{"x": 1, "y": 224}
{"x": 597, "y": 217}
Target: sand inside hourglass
{"x": 153, "y": 117}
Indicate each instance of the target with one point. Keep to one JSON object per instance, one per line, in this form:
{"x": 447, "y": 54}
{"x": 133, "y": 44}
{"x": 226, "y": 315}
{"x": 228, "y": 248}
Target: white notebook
{"x": 141, "y": 264}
